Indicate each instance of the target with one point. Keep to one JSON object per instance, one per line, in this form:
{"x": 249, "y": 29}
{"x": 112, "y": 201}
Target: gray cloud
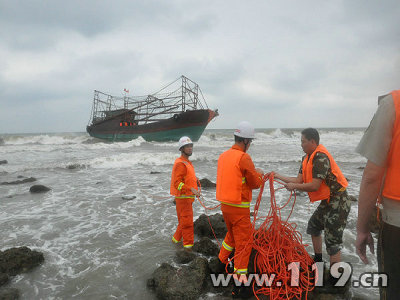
{"x": 278, "y": 64}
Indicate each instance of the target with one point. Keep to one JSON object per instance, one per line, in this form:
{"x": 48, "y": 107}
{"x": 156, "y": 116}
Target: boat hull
{"x": 189, "y": 123}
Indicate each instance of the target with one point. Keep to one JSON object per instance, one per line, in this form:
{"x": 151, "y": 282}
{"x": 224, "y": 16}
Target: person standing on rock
{"x": 381, "y": 180}
{"x": 184, "y": 188}
{"x": 321, "y": 178}
{"x": 236, "y": 178}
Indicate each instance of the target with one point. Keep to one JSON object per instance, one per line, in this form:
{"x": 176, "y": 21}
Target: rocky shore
{"x": 15, "y": 261}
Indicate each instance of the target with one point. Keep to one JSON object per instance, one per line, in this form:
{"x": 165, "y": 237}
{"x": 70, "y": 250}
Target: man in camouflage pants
{"x": 321, "y": 178}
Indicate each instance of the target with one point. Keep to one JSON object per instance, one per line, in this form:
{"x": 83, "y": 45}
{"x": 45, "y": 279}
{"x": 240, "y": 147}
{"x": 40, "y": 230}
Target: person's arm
{"x": 179, "y": 182}
{"x": 312, "y": 186}
{"x": 253, "y": 176}
{"x": 369, "y": 191}
{"x": 287, "y": 179}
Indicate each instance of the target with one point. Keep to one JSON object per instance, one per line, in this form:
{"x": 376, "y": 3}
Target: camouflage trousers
{"x": 332, "y": 219}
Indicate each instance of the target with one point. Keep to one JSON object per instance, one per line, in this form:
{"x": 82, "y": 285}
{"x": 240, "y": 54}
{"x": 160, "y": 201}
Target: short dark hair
{"x": 241, "y": 139}
{"x": 311, "y": 134}
{"x": 238, "y": 139}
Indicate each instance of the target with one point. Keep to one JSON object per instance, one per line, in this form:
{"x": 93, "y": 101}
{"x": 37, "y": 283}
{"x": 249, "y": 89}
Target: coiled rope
{"x": 278, "y": 244}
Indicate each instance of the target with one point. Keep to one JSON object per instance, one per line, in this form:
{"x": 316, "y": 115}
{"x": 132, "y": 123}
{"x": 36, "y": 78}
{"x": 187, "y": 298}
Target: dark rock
{"x": 184, "y": 283}
{"x": 154, "y": 172}
{"x": 30, "y": 179}
{"x": 216, "y": 266}
{"x": 202, "y": 226}
{"x": 4, "y": 278}
{"x": 128, "y": 197}
{"x": 3, "y": 162}
{"x": 39, "y": 189}
{"x": 206, "y": 183}
{"x": 206, "y": 247}
{"x": 1, "y": 142}
{"x": 353, "y": 198}
{"x": 9, "y": 294}
{"x": 184, "y": 257}
{"x": 20, "y": 176}
{"x": 361, "y": 168}
{"x": 75, "y": 166}
{"x": 18, "y": 260}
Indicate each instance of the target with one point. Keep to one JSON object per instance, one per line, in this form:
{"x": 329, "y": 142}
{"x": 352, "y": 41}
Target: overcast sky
{"x": 274, "y": 63}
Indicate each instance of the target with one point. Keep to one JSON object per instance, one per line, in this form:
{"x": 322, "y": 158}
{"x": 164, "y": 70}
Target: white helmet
{"x": 183, "y": 141}
{"x": 244, "y": 130}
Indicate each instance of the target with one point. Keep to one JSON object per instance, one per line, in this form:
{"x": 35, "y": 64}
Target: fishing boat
{"x": 176, "y": 110}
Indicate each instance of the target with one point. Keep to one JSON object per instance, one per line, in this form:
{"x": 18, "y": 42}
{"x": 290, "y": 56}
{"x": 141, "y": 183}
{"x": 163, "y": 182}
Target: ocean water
{"x": 98, "y": 245}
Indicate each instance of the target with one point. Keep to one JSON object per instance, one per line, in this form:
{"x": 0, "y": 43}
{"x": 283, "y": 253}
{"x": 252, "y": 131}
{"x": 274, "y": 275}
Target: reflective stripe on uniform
{"x": 182, "y": 197}
{"x": 180, "y": 186}
{"x": 174, "y": 240}
{"x": 243, "y": 180}
{"x": 240, "y": 271}
{"x": 188, "y": 246}
{"x": 243, "y": 204}
{"x": 226, "y": 246}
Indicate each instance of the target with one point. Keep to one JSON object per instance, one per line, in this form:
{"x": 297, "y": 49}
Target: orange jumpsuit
{"x": 236, "y": 177}
{"x": 182, "y": 180}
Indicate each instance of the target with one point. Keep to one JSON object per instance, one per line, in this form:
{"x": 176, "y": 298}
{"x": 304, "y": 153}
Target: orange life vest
{"x": 391, "y": 188}
{"x": 324, "y": 191}
{"x": 230, "y": 179}
{"x": 190, "y": 180}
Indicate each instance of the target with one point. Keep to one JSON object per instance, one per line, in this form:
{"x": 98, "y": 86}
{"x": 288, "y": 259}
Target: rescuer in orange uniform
{"x": 184, "y": 188}
{"x": 236, "y": 177}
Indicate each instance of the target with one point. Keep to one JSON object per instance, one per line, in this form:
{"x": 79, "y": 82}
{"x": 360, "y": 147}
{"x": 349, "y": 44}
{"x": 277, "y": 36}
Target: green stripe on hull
{"x": 194, "y": 133}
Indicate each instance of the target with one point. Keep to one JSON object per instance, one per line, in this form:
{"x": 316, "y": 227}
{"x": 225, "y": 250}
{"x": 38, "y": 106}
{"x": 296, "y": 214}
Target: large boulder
{"x": 202, "y": 226}
{"x": 206, "y": 246}
{"x": 18, "y": 260}
{"x": 4, "y": 278}
{"x": 206, "y": 183}
{"x": 38, "y": 188}
{"x": 9, "y": 294}
{"x": 185, "y": 283}
{"x": 183, "y": 256}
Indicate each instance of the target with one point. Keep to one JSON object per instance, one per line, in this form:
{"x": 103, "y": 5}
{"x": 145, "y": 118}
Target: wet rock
{"x": 353, "y": 198}
{"x": 3, "y": 162}
{"x": 202, "y": 226}
{"x": 206, "y": 247}
{"x": 361, "y": 168}
{"x": 1, "y": 142}
{"x": 128, "y": 197}
{"x": 75, "y": 166}
{"x": 39, "y": 189}
{"x": 206, "y": 183}
{"x": 4, "y": 278}
{"x": 184, "y": 257}
{"x": 215, "y": 266}
{"x": 30, "y": 179}
{"x": 9, "y": 294}
{"x": 18, "y": 260}
{"x": 155, "y": 172}
{"x": 185, "y": 283}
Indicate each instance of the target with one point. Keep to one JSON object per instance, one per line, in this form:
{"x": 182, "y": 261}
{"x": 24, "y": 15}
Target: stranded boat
{"x": 174, "y": 111}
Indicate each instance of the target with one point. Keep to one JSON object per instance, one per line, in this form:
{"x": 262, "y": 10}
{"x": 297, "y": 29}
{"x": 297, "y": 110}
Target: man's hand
{"x": 290, "y": 186}
{"x": 196, "y": 192}
{"x": 362, "y": 240}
